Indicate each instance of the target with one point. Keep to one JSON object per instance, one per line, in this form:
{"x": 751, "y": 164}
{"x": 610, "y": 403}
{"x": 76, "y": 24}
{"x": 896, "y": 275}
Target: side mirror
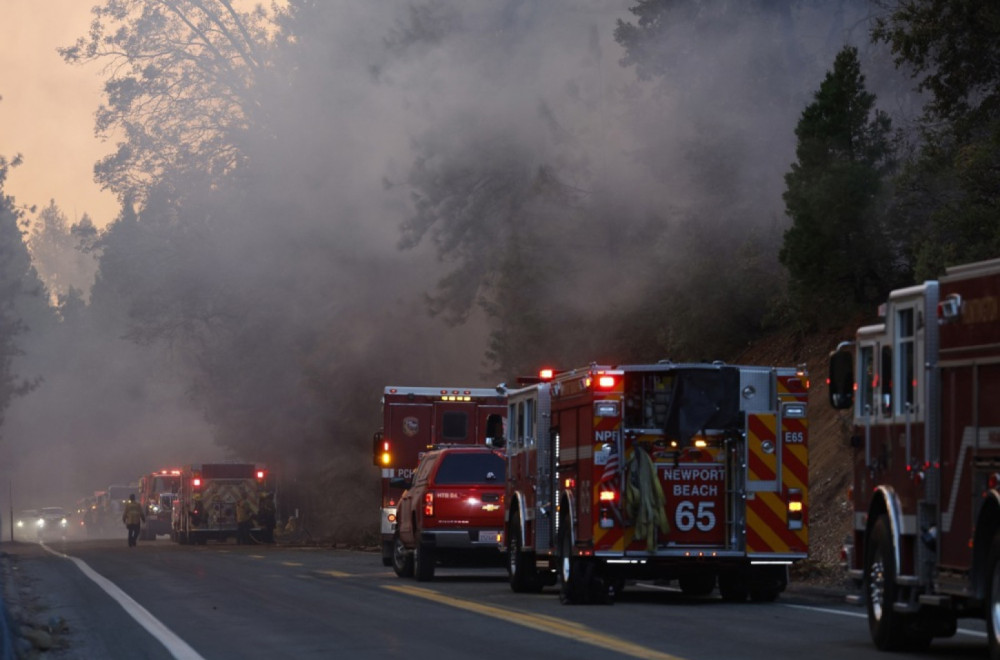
{"x": 400, "y": 482}
{"x": 841, "y": 379}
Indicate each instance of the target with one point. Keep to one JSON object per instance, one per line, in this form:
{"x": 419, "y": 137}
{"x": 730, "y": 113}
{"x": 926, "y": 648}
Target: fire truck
{"x": 415, "y": 419}
{"x": 205, "y": 507}
{"x": 157, "y": 491}
{"x": 925, "y": 547}
{"x": 691, "y": 472}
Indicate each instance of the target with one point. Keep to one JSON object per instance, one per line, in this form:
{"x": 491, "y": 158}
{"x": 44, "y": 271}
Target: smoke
{"x": 274, "y": 319}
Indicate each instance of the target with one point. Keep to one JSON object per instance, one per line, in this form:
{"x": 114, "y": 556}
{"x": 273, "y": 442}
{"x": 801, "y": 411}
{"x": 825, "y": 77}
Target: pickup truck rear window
{"x": 471, "y": 469}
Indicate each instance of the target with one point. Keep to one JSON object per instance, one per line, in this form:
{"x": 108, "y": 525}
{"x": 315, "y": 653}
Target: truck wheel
{"x": 423, "y": 562}
{"x": 697, "y": 584}
{"x": 386, "y": 552}
{"x": 570, "y": 567}
{"x": 890, "y": 630}
{"x": 993, "y": 599}
{"x": 523, "y": 574}
{"x": 402, "y": 559}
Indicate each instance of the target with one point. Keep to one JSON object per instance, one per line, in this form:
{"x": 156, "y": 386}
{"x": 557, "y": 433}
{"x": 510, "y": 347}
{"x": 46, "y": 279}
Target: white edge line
{"x": 174, "y": 644}
{"x": 961, "y": 631}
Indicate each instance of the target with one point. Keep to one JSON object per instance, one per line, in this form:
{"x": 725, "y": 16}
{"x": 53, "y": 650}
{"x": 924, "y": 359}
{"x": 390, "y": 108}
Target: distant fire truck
{"x": 157, "y": 492}
{"x": 926, "y": 440}
{"x": 205, "y": 507}
{"x": 689, "y": 472}
{"x": 414, "y": 419}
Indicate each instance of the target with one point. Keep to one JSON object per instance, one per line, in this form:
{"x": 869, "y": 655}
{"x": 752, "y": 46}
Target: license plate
{"x": 488, "y": 537}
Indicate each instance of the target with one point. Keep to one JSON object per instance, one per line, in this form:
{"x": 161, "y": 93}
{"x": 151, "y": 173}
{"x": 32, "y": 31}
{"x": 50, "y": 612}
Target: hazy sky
{"x": 47, "y": 109}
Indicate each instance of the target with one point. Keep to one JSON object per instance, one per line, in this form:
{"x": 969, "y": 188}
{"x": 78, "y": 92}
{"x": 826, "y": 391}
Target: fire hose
{"x": 644, "y": 500}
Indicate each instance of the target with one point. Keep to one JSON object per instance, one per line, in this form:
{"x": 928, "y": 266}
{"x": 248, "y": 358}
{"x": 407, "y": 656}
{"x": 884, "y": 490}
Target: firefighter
{"x": 244, "y": 520}
{"x": 266, "y": 516}
{"x": 133, "y": 517}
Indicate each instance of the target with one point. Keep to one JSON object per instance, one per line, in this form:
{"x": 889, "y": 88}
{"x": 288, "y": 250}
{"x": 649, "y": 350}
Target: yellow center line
{"x": 291, "y": 563}
{"x": 541, "y": 622}
{"x": 334, "y": 573}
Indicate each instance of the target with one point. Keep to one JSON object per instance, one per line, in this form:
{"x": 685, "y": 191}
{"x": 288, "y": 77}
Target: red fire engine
{"x": 689, "y": 472}
{"x": 205, "y": 507}
{"x": 926, "y": 443}
{"x": 157, "y": 492}
{"x": 417, "y": 418}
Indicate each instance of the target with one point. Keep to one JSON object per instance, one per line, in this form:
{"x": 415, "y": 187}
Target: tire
{"x": 579, "y": 582}
{"x": 387, "y": 551}
{"x": 993, "y": 598}
{"x": 423, "y": 562}
{"x": 402, "y": 559}
{"x": 524, "y": 576}
{"x": 697, "y": 584}
{"x": 570, "y": 590}
{"x": 890, "y": 630}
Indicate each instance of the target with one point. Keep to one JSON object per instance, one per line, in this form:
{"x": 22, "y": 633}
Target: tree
{"x": 181, "y": 90}
{"x": 949, "y": 195}
{"x": 60, "y": 253}
{"x": 837, "y": 249}
{"x": 18, "y": 285}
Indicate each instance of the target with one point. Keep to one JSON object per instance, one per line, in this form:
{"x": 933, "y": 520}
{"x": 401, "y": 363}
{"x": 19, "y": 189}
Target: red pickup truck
{"x": 451, "y": 513}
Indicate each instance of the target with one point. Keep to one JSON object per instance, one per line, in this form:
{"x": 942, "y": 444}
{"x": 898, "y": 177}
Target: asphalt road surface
{"x": 162, "y": 600}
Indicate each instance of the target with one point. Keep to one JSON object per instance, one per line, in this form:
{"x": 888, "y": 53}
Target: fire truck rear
{"x": 205, "y": 507}
{"x": 157, "y": 492}
{"x": 415, "y": 419}
{"x": 690, "y": 472}
{"x": 926, "y": 440}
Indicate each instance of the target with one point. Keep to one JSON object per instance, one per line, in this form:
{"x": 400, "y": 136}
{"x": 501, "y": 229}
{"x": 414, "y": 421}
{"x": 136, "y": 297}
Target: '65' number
{"x": 687, "y": 518}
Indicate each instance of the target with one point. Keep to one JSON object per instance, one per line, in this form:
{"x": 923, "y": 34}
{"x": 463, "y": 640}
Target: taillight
{"x": 428, "y": 504}
{"x": 260, "y": 475}
{"x": 606, "y": 499}
{"x": 196, "y": 482}
{"x": 605, "y": 382}
{"x": 795, "y": 509}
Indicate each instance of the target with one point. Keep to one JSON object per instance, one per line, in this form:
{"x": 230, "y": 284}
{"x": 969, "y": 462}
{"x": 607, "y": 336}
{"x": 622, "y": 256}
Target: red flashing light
{"x": 260, "y": 475}
{"x": 196, "y": 482}
{"x": 605, "y": 382}
{"x": 608, "y": 496}
{"x": 546, "y": 374}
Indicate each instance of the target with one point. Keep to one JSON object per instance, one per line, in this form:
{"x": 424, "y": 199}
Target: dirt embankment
{"x": 829, "y": 454}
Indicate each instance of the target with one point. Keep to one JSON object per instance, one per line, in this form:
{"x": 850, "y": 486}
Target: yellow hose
{"x": 644, "y": 500}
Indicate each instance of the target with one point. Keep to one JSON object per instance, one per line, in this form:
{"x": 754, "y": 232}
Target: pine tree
{"x": 837, "y": 252}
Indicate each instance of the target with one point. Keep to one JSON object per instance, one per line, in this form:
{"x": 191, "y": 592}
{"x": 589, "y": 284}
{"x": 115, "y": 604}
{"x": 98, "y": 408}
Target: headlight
{"x": 20, "y": 523}
{"x": 41, "y": 522}
{"x": 63, "y": 522}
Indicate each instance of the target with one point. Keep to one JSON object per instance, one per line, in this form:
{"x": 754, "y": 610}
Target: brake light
{"x": 260, "y": 475}
{"x": 196, "y": 482}
{"x": 607, "y": 496}
{"x": 428, "y": 504}
{"x": 795, "y": 509}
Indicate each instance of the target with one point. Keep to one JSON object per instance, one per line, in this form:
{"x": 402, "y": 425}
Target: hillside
{"x": 829, "y": 455}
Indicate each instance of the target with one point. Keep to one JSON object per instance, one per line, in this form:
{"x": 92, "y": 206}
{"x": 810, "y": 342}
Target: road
{"x": 162, "y": 600}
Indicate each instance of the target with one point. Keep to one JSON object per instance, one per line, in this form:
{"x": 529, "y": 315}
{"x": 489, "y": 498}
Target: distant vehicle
{"x": 416, "y": 418}
{"x": 157, "y": 492}
{"x": 26, "y": 525}
{"x": 52, "y": 522}
{"x": 452, "y": 512}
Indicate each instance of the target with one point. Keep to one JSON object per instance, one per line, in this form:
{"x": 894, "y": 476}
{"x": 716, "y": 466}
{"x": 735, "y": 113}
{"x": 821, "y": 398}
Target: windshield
{"x": 485, "y": 469}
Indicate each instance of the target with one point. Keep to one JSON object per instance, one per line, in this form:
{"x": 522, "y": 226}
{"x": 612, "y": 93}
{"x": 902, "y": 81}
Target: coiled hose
{"x": 644, "y": 500}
